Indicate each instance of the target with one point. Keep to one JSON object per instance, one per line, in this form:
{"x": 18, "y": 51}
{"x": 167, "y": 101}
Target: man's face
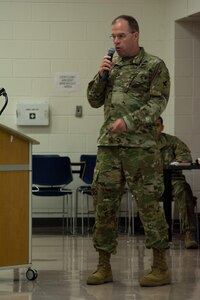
{"x": 125, "y": 41}
{"x": 159, "y": 128}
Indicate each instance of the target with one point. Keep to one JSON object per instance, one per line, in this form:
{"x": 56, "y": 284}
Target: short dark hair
{"x": 133, "y": 24}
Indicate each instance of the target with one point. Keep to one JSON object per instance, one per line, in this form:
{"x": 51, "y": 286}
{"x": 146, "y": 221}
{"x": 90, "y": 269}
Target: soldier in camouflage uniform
{"x": 134, "y": 96}
{"x": 173, "y": 149}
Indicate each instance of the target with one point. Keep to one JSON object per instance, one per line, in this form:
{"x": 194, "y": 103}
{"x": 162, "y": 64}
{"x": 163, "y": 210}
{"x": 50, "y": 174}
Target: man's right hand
{"x": 106, "y": 65}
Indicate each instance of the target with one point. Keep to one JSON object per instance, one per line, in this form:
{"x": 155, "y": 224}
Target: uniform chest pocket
{"x": 139, "y": 82}
{"x": 130, "y": 79}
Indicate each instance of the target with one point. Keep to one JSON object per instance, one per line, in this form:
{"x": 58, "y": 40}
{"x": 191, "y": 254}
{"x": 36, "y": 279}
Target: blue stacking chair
{"x": 86, "y": 174}
{"x": 51, "y": 175}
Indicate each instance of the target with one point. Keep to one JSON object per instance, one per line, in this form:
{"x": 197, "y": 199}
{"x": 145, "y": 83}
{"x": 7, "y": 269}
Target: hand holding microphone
{"x": 107, "y": 64}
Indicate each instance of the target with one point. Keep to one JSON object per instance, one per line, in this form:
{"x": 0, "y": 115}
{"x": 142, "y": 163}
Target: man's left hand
{"x": 119, "y": 126}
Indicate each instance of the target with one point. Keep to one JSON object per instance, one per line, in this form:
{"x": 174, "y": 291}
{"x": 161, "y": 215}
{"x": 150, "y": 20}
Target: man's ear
{"x": 136, "y": 35}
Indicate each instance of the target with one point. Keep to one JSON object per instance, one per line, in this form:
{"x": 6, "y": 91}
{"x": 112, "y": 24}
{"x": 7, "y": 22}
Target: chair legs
{"x": 82, "y": 198}
{"x": 68, "y": 214}
{"x": 129, "y": 214}
{"x": 180, "y": 221}
{"x": 63, "y": 216}
{"x": 131, "y": 224}
{"x": 82, "y": 213}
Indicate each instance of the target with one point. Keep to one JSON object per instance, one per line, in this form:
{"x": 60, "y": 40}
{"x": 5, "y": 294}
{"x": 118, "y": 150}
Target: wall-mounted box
{"x": 32, "y": 114}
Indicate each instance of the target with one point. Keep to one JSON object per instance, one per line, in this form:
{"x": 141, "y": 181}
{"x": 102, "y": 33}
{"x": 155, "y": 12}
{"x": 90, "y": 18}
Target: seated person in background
{"x": 173, "y": 149}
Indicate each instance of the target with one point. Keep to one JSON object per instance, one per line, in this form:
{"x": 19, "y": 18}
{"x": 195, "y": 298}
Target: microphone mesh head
{"x": 111, "y": 51}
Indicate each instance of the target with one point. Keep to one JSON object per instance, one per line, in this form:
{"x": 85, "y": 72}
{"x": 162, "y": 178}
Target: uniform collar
{"x": 134, "y": 60}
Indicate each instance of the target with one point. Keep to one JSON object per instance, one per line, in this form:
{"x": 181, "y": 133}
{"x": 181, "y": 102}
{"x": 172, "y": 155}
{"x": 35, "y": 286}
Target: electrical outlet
{"x": 79, "y": 111}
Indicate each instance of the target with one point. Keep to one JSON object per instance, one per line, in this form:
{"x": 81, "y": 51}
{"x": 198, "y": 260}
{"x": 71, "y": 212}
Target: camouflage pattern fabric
{"x": 173, "y": 149}
{"x": 137, "y": 91}
{"x": 142, "y": 170}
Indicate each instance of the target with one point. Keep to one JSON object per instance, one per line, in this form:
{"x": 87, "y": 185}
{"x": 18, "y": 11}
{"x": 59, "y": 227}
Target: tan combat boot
{"x": 190, "y": 242}
{"x": 103, "y": 274}
{"x": 159, "y": 274}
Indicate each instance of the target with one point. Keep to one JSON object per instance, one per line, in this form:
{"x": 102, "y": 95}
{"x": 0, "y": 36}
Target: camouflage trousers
{"x": 141, "y": 169}
{"x": 185, "y": 201}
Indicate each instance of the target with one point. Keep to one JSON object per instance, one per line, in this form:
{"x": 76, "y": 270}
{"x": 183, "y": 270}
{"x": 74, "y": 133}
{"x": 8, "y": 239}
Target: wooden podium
{"x": 15, "y": 197}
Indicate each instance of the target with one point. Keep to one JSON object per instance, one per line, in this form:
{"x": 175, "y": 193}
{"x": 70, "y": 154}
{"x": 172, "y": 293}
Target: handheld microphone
{"x": 111, "y": 52}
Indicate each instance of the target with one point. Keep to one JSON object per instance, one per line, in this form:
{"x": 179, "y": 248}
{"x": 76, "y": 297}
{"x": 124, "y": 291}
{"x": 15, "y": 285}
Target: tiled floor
{"x": 64, "y": 262}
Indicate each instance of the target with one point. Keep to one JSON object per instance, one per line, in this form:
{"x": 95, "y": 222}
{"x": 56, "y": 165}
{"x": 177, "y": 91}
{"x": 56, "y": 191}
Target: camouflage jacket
{"x": 137, "y": 90}
{"x": 173, "y": 149}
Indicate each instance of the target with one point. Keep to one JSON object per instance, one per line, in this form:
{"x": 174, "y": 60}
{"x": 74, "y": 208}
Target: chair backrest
{"x": 87, "y": 169}
{"x": 42, "y": 155}
{"x": 51, "y": 170}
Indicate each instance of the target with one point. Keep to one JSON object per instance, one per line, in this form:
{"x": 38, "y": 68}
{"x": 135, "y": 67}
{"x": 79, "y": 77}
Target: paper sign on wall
{"x": 67, "y": 81}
